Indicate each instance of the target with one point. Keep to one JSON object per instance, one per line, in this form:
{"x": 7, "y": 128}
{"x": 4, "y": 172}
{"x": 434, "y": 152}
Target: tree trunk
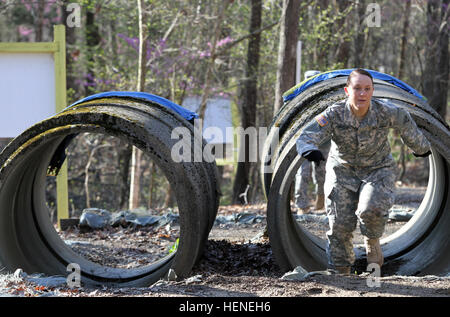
{"x": 435, "y": 77}
{"x": 124, "y": 159}
{"x": 135, "y": 182}
{"x": 359, "y": 40}
{"x": 137, "y": 154}
{"x": 248, "y": 106}
{"x": 401, "y": 67}
{"x": 287, "y": 50}
{"x": 150, "y": 186}
{"x": 343, "y": 49}
{"x": 70, "y": 41}
{"x": 86, "y": 178}
{"x": 169, "y": 201}
{"x": 208, "y": 76}
{"x": 440, "y": 101}
{"x": 97, "y": 145}
{"x": 40, "y": 21}
{"x": 401, "y": 75}
{"x": 92, "y": 40}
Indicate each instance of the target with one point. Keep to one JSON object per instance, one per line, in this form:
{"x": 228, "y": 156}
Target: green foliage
{"x": 174, "y": 248}
{"x": 322, "y": 30}
{"x": 176, "y": 67}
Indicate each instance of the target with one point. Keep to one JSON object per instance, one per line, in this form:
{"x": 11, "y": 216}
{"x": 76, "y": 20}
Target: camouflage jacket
{"x": 361, "y": 145}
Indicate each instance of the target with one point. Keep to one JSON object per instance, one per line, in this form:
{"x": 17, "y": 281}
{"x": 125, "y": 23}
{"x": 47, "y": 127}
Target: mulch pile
{"x": 236, "y": 259}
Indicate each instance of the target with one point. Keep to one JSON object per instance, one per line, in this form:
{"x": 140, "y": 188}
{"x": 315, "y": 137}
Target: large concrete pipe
{"x": 419, "y": 247}
{"x": 27, "y": 237}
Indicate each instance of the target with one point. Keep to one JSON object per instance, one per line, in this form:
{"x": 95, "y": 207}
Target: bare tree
{"x": 400, "y": 75}
{"x": 92, "y": 40}
{"x": 287, "y": 50}
{"x": 209, "y": 70}
{"x": 359, "y": 40}
{"x": 249, "y": 101}
{"x": 137, "y": 154}
{"x": 402, "y": 64}
{"x": 436, "y": 73}
{"x": 94, "y": 146}
{"x": 342, "y": 26}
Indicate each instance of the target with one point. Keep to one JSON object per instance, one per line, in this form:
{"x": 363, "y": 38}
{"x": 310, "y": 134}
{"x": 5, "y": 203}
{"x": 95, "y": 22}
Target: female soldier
{"x": 360, "y": 170}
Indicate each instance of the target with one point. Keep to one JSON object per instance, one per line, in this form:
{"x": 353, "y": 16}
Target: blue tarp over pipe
{"x": 298, "y": 89}
{"x": 185, "y": 113}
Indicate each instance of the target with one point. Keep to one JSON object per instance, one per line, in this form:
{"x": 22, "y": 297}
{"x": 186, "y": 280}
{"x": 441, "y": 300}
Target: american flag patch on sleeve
{"x": 321, "y": 120}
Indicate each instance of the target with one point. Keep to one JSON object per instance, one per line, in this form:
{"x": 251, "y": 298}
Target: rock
{"x": 248, "y": 218}
{"x": 400, "y": 215}
{"x": 74, "y": 243}
{"x": 127, "y": 217}
{"x": 20, "y": 274}
{"x": 258, "y": 237}
{"x": 240, "y": 218}
{"x": 95, "y": 218}
{"x": 155, "y": 286}
{"x": 171, "y": 275}
{"x": 47, "y": 281}
{"x": 298, "y": 274}
{"x": 312, "y": 218}
{"x": 168, "y": 218}
{"x": 225, "y": 219}
{"x": 193, "y": 279}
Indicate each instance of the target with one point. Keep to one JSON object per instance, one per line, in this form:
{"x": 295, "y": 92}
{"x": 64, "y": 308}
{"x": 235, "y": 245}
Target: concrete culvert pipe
{"x": 28, "y": 239}
{"x": 420, "y": 247}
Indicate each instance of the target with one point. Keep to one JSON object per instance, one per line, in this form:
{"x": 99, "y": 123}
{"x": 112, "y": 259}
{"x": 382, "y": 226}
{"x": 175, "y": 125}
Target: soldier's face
{"x": 360, "y": 91}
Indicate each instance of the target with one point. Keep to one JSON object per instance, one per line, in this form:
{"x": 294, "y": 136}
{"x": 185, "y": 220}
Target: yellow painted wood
{"x": 58, "y": 49}
{"x": 62, "y": 193}
{"x": 18, "y": 47}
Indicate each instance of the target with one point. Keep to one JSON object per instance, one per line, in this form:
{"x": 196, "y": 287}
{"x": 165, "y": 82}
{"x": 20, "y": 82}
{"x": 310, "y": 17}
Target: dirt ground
{"x": 237, "y": 262}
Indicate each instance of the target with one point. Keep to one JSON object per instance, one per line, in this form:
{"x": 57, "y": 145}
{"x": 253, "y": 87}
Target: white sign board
{"x": 27, "y": 91}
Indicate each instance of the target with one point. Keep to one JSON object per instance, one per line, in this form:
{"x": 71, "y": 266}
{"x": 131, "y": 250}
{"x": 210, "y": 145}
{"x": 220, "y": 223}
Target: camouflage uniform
{"x": 305, "y": 171}
{"x": 360, "y": 170}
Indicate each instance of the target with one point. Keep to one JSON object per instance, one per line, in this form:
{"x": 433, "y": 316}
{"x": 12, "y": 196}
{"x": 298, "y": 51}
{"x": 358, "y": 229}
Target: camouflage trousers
{"x": 369, "y": 205}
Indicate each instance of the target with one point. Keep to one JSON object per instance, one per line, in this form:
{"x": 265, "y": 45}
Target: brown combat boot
{"x": 320, "y": 202}
{"x": 373, "y": 251}
{"x": 344, "y": 270}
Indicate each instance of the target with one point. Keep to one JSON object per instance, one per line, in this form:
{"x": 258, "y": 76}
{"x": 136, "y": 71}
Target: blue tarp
{"x": 185, "y": 113}
{"x": 298, "y": 89}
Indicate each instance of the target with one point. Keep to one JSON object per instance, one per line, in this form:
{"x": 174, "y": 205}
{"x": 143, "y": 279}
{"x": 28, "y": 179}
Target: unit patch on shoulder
{"x": 321, "y": 120}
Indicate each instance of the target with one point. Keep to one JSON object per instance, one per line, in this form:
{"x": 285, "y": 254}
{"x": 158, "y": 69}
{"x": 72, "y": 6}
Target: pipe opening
{"x": 416, "y": 186}
{"x": 99, "y": 178}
